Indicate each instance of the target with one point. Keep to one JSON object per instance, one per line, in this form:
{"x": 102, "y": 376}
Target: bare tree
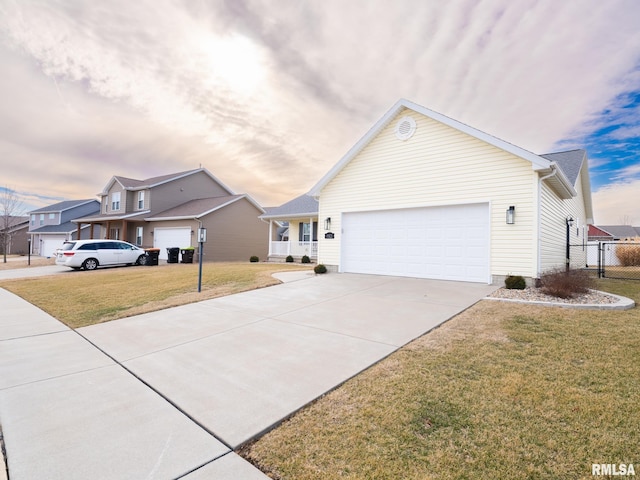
{"x": 625, "y": 220}
{"x": 10, "y": 207}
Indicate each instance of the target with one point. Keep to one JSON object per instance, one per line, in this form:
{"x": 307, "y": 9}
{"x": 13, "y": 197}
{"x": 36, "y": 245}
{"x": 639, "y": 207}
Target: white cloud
{"x": 618, "y": 203}
{"x": 269, "y": 95}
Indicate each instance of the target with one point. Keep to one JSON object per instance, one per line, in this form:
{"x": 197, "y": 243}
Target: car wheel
{"x": 90, "y": 264}
{"x": 142, "y": 260}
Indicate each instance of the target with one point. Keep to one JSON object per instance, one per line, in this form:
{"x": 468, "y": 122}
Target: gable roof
{"x": 538, "y": 163}
{"x": 13, "y": 222}
{"x": 64, "y": 205}
{"x": 570, "y": 162}
{"x": 302, "y": 206}
{"x": 199, "y": 208}
{"x": 620, "y": 231}
{"x": 133, "y": 184}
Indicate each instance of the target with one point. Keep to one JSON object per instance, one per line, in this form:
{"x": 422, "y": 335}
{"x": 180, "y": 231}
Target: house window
{"x": 33, "y": 220}
{"x": 42, "y": 219}
{"x": 307, "y": 233}
{"x": 52, "y": 216}
{"x": 140, "y": 200}
{"x": 139, "y": 232}
{"x": 115, "y": 201}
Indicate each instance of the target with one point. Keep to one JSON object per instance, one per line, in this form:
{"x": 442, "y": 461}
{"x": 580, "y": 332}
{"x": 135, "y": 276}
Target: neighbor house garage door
{"x": 50, "y": 243}
{"x": 164, "y": 238}
{"x": 447, "y": 243}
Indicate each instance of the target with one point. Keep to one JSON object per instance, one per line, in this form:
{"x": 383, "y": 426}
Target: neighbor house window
{"x": 33, "y": 220}
{"x": 52, "y": 216}
{"x": 140, "y": 200}
{"x": 42, "y": 219}
{"x": 139, "y": 233}
{"x": 115, "y": 201}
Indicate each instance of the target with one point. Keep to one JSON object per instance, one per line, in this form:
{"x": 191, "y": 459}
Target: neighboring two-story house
{"x": 51, "y": 226}
{"x": 167, "y": 211}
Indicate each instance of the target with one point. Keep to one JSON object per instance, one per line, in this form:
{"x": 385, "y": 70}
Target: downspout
{"x": 554, "y": 172}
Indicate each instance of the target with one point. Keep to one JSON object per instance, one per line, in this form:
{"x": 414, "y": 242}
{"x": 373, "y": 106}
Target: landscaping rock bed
{"x": 531, "y": 294}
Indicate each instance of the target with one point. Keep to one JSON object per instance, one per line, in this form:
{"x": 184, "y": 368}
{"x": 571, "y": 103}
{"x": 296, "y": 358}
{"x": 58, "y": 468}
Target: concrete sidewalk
{"x": 172, "y": 393}
{"x": 33, "y": 272}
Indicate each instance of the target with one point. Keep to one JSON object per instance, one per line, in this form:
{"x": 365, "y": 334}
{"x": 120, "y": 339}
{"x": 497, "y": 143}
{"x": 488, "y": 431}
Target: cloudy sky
{"x": 268, "y": 95}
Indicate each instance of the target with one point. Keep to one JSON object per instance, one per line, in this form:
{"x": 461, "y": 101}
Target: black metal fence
{"x": 608, "y": 259}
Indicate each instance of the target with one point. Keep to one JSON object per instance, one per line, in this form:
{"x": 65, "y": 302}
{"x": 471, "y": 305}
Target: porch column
{"x": 79, "y": 231}
{"x": 108, "y": 236}
{"x": 270, "y": 235}
{"x": 124, "y": 230}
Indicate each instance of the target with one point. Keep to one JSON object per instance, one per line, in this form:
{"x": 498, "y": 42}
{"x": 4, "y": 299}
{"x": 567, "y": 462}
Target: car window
{"x": 68, "y": 245}
{"x": 87, "y": 246}
{"x": 124, "y": 246}
{"x": 108, "y": 245}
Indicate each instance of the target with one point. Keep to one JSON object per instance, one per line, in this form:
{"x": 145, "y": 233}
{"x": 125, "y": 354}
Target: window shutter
{"x": 300, "y": 229}
{"x": 315, "y": 231}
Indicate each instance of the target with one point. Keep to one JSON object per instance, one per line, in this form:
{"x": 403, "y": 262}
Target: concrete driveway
{"x": 171, "y": 394}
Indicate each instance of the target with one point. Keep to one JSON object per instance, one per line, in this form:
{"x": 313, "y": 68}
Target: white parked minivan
{"x": 90, "y": 254}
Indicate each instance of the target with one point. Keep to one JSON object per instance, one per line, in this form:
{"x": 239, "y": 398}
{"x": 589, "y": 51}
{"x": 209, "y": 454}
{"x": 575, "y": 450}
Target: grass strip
{"x": 500, "y": 391}
{"x": 80, "y": 298}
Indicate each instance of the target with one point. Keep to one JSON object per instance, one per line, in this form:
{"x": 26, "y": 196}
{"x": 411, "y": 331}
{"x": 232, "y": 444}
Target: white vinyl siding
{"x": 553, "y": 229}
{"x": 439, "y": 166}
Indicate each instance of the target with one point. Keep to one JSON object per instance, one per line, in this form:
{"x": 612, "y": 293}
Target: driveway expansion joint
{"x": 156, "y": 391}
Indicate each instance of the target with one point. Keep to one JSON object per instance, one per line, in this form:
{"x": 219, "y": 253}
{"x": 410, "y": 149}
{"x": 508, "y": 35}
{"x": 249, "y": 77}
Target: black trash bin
{"x": 172, "y": 254}
{"x": 151, "y": 257}
{"x": 187, "y": 255}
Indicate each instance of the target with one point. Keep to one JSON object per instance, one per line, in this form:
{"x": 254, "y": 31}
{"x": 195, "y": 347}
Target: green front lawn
{"x": 500, "y": 391}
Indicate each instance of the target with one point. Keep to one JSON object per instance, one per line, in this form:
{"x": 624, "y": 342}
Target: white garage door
{"x": 50, "y": 243}
{"x": 447, "y": 243}
{"x": 164, "y": 238}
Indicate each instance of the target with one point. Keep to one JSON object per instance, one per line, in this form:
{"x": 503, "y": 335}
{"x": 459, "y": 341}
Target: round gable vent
{"x": 405, "y": 128}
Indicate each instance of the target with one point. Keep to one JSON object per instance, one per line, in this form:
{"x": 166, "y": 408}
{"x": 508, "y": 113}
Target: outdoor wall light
{"x": 327, "y": 223}
{"x": 570, "y": 221}
{"x": 511, "y": 215}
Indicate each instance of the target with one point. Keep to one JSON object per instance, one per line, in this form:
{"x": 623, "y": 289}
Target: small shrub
{"x": 306, "y": 259}
{"x": 515, "y": 282}
{"x": 565, "y": 283}
{"x": 289, "y": 259}
{"x": 628, "y": 255}
{"x": 320, "y": 268}
{"x": 254, "y": 259}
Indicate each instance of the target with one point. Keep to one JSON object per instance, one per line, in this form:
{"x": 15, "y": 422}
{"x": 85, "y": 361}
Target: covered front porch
{"x": 293, "y": 229}
{"x": 295, "y": 237}
{"x": 115, "y": 227}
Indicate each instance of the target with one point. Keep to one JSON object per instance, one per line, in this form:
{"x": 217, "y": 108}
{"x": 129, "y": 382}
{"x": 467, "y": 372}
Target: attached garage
{"x": 50, "y": 243}
{"x": 423, "y": 195}
{"x": 446, "y": 243}
{"x": 164, "y": 238}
